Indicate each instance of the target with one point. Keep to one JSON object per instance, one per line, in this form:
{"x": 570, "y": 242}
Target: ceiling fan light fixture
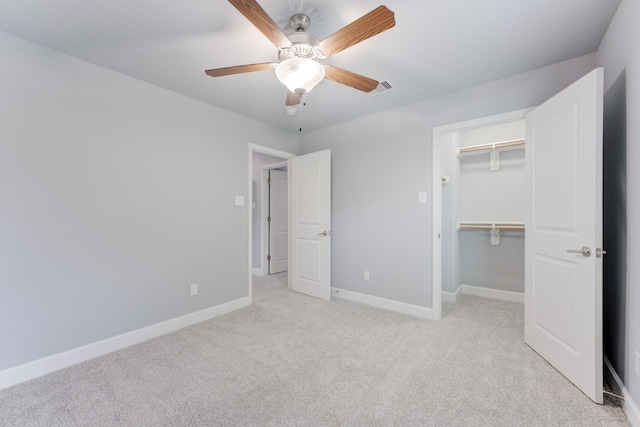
{"x": 300, "y": 75}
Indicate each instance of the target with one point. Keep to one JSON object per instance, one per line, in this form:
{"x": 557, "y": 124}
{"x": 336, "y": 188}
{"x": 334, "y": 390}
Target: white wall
{"x": 619, "y": 54}
{"x": 382, "y": 161}
{"x": 115, "y": 196}
{"x": 492, "y": 195}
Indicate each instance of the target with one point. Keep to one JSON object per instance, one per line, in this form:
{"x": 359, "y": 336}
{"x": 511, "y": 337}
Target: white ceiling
{"x": 437, "y": 46}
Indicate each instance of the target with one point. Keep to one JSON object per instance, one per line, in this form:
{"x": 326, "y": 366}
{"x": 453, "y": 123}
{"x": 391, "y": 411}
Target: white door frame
{"x": 264, "y": 236}
{"x": 272, "y": 152}
{"x": 436, "y": 167}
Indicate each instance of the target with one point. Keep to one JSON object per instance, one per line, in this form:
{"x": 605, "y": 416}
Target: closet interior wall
{"x": 472, "y": 192}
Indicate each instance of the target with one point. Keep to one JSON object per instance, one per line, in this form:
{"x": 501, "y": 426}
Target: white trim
{"x": 451, "y": 297}
{"x": 272, "y": 152}
{"x": 436, "y": 168}
{"x": 277, "y": 165}
{"x": 264, "y": 235}
{"x": 492, "y": 293}
{"x": 400, "y": 307}
{"x": 436, "y": 226}
{"x": 52, "y": 363}
{"x": 630, "y": 407}
{"x": 257, "y": 271}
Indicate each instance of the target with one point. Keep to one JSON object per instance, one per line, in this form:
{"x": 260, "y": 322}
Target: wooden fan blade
{"x": 262, "y": 21}
{"x": 348, "y": 78}
{"x": 292, "y": 98}
{"x": 227, "y": 71}
{"x": 374, "y": 22}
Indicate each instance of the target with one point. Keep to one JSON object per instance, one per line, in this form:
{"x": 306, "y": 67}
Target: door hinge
{"x": 269, "y": 181}
{"x": 268, "y": 257}
{"x": 268, "y": 219}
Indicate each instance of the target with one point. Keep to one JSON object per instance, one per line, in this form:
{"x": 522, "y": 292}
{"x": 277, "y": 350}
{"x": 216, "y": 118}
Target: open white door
{"x": 278, "y": 222}
{"x": 563, "y": 265}
{"x": 310, "y": 232}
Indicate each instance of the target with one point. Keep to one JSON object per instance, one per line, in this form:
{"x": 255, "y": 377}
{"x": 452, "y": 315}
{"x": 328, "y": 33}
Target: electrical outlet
{"x": 366, "y": 275}
{"x": 637, "y": 364}
{"x": 194, "y": 290}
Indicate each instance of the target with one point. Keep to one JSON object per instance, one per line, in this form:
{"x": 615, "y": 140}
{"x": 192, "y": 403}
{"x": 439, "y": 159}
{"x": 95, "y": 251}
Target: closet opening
{"x": 479, "y": 211}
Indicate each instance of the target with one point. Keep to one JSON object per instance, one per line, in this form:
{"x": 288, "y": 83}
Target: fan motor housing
{"x": 300, "y": 22}
{"x": 303, "y": 44}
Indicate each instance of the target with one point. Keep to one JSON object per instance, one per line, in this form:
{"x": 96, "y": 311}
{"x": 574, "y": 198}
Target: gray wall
{"x": 619, "y": 53}
{"x": 495, "y": 267}
{"x": 115, "y": 196}
{"x": 382, "y": 161}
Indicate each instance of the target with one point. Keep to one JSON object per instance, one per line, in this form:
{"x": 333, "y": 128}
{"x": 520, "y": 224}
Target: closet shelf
{"x": 494, "y": 227}
{"x": 477, "y": 149}
{"x": 503, "y": 225}
{"x": 494, "y": 148}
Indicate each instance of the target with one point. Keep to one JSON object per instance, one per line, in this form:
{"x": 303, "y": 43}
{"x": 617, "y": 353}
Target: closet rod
{"x": 491, "y": 226}
{"x": 503, "y": 144}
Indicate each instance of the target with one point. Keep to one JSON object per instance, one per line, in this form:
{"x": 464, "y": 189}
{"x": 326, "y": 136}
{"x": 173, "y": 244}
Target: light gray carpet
{"x": 291, "y": 360}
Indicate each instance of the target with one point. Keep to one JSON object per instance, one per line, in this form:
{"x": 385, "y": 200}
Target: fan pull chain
{"x": 303, "y": 103}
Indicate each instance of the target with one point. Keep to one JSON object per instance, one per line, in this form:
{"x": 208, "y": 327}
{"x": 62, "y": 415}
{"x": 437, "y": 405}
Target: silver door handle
{"x": 585, "y": 251}
{"x": 324, "y": 233}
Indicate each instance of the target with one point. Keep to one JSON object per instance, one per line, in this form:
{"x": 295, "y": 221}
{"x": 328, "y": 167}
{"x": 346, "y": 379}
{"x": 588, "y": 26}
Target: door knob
{"x": 585, "y": 251}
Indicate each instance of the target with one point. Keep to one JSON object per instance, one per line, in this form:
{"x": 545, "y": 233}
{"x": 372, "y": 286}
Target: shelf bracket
{"x": 495, "y": 235}
{"x": 495, "y": 158}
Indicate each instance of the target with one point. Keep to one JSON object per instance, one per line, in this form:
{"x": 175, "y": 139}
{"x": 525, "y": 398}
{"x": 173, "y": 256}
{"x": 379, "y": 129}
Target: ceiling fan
{"x": 301, "y": 53}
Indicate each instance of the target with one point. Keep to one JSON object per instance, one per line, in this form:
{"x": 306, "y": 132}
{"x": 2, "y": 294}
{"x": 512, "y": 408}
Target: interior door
{"x": 563, "y": 265}
{"x": 278, "y": 222}
{"x": 310, "y": 232}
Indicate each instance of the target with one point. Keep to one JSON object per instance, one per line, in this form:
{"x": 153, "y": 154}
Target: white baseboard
{"x": 492, "y": 293}
{"x": 630, "y": 407}
{"x": 257, "y": 271}
{"x": 451, "y": 297}
{"x": 400, "y": 307}
{"x": 27, "y": 371}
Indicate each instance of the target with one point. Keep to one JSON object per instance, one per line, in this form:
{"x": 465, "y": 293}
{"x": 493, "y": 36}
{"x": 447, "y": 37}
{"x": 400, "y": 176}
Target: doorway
{"x": 309, "y": 231}
{"x": 275, "y": 217}
{"x": 563, "y": 214}
{"x": 260, "y": 156}
{"x": 484, "y": 222}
